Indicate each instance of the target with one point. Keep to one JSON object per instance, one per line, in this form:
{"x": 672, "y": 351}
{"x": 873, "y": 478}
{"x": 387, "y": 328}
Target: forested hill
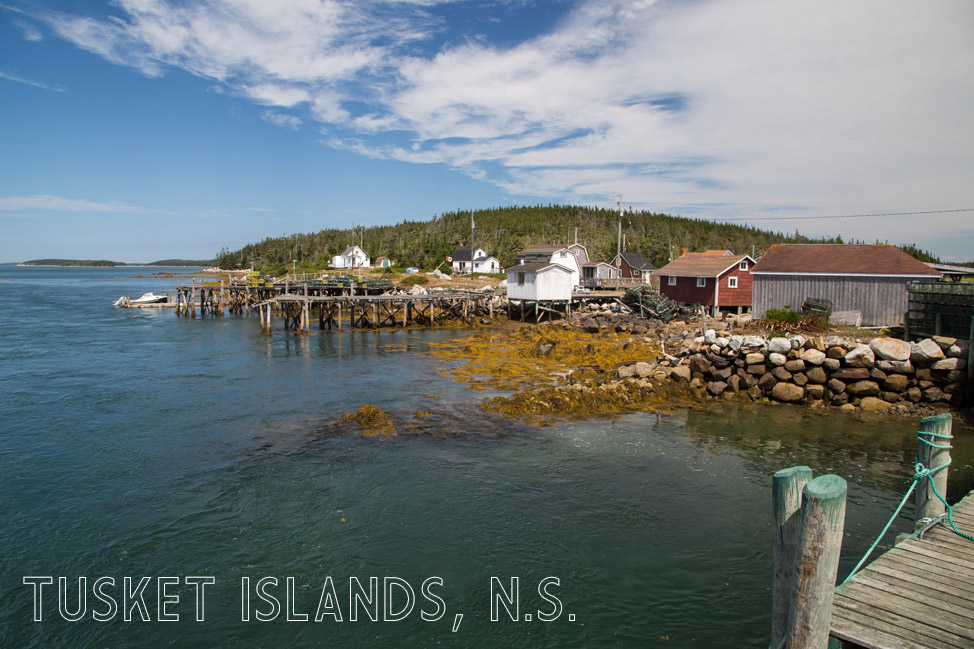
{"x": 506, "y": 230}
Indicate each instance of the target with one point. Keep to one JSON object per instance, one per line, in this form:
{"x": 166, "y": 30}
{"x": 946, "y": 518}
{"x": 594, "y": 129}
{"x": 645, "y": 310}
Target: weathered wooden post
{"x": 817, "y": 562}
{"x": 937, "y": 328}
{"x": 970, "y": 365}
{"x": 933, "y": 453}
{"x": 786, "y": 501}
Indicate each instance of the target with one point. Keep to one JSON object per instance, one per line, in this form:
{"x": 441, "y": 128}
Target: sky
{"x": 137, "y": 130}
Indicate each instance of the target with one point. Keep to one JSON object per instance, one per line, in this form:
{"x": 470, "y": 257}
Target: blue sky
{"x": 138, "y": 130}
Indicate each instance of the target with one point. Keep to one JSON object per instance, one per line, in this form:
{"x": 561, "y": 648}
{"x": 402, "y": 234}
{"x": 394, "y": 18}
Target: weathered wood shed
{"x": 870, "y": 279}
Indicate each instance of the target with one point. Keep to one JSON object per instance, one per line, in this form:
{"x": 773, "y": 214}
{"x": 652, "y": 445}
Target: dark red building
{"x": 717, "y": 281}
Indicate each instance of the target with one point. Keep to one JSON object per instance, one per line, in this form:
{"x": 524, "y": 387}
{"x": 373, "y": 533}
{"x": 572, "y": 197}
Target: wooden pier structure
{"x": 918, "y": 595}
{"x": 376, "y": 311}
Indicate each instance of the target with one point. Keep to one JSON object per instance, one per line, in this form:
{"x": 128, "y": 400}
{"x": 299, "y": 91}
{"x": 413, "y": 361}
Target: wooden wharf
{"x": 918, "y": 594}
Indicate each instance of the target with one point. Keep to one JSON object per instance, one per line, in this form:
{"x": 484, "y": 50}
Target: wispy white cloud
{"x": 11, "y": 76}
{"x": 49, "y": 203}
{"x": 712, "y": 108}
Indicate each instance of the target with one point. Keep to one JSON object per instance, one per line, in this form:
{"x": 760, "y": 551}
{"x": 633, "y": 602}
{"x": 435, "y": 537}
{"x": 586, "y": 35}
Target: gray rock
{"x": 756, "y": 369}
{"x": 890, "y": 349}
{"x": 860, "y": 356}
{"x": 779, "y": 359}
{"x": 643, "y": 369}
{"x": 800, "y": 379}
{"x": 897, "y": 367}
{"x": 839, "y": 399}
{"x": 735, "y": 342}
{"x": 958, "y": 349}
{"x": 832, "y": 364}
{"x": 813, "y": 356}
{"x": 734, "y": 383}
{"x": 926, "y": 351}
{"x": 681, "y": 372}
{"x": 949, "y": 364}
{"x": 913, "y": 395}
{"x": 710, "y": 336}
{"x": 836, "y": 341}
{"x": 627, "y": 371}
{"x": 754, "y": 341}
{"x": 889, "y": 397}
{"x": 945, "y": 342}
{"x": 779, "y": 345}
{"x": 836, "y": 386}
{"x": 787, "y": 392}
{"x": 716, "y": 387}
{"x": 754, "y": 358}
{"x": 933, "y": 394}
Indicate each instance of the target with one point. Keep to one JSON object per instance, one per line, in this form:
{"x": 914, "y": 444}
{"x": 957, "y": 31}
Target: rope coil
{"x": 920, "y": 472}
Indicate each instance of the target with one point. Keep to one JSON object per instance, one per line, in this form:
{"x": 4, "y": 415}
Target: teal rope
{"x": 919, "y": 473}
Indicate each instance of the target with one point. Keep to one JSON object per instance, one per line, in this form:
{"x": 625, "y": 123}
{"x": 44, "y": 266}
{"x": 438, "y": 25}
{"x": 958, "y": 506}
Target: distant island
{"x": 107, "y": 263}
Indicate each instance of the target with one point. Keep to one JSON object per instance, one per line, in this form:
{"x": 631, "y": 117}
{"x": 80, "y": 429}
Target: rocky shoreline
{"x": 881, "y": 374}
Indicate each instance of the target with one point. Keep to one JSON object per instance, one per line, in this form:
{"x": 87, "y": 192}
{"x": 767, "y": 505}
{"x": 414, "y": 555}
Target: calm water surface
{"x": 157, "y": 446}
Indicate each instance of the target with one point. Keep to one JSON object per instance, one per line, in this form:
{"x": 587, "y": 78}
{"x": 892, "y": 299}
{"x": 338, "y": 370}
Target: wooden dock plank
{"x": 918, "y": 594}
{"x": 878, "y": 629}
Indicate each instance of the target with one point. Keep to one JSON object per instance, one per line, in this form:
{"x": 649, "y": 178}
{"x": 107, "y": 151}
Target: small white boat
{"x": 150, "y": 298}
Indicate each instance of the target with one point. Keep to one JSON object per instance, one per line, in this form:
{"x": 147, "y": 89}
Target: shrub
{"x": 414, "y": 279}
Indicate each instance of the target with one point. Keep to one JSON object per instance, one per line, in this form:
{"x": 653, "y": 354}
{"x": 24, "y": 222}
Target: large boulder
{"x": 860, "y": 356}
{"x": 779, "y": 345}
{"x": 787, "y": 392}
{"x": 896, "y": 382}
{"x": 873, "y": 404}
{"x": 681, "y": 373}
{"x": 716, "y": 387}
{"x": 813, "y": 357}
{"x": 816, "y": 375}
{"x": 890, "y": 349}
{"x": 958, "y": 349}
{"x": 949, "y": 364}
{"x": 754, "y": 358}
{"x": 926, "y": 351}
{"x": 863, "y": 389}
{"x": 851, "y": 374}
{"x": 643, "y": 369}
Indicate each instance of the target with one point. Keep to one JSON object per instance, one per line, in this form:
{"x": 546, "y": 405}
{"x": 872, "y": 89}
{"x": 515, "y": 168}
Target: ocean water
{"x": 135, "y": 444}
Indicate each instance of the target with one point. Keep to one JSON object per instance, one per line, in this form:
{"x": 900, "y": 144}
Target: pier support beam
{"x": 786, "y": 501}
{"x": 933, "y": 453}
{"x": 817, "y": 563}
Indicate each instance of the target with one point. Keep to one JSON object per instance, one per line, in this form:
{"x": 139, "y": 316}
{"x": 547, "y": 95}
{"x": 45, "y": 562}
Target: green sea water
{"x": 153, "y": 446}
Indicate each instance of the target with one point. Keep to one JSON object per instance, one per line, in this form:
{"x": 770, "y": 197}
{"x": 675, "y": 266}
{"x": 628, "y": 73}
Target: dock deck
{"x": 919, "y": 594}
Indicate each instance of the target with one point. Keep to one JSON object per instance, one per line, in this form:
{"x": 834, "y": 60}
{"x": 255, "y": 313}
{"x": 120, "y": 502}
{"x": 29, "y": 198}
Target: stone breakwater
{"x": 884, "y": 374}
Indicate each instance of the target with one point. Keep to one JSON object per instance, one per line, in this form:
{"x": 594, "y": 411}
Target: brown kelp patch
{"x": 528, "y": 358}
{"x": 373, "y": 421}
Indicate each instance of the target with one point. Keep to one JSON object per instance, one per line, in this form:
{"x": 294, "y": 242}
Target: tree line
{"x": 504, "y": 231}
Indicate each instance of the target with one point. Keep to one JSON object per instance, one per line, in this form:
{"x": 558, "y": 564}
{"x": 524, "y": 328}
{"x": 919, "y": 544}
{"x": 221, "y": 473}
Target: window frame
{"x": 671, "y": 281}
{"x": 742, "y": 265}
{"x": 732, "y": 282}
{"x": 701, "y": 282}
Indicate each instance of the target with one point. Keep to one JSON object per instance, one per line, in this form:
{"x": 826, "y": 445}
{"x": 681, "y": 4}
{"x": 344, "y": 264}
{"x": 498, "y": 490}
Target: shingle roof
{"x": 637, "y": 261}
{"x": 535, "y": 267}
{"x": 697, "y": 265}
{"x": 839, "y": 259}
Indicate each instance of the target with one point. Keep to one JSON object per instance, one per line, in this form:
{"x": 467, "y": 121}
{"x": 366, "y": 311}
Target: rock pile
{"x": 886, "y": 374}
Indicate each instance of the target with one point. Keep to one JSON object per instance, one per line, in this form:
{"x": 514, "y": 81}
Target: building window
{"x": 671, "y": 280}
{"x": 520, "y": 278}
{"x": 731, "y": 282}
{"x": 742, "y": 265}
{"x": 701, "y": 282}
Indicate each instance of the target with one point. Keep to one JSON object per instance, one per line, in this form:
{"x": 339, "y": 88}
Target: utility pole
{"x": 472, "y": 226}
{"x": 619, "y": 243}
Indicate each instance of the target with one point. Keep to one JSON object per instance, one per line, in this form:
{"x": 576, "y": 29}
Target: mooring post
{"x": 970, "y": 365}
{"x": 817, "y": 562}
{"x": 786, "y": 502}
{"x": 937, "y": 324}
{"x": 933, "y": 453}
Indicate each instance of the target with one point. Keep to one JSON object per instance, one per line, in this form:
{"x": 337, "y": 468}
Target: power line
{"x": 841, "y": 216}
